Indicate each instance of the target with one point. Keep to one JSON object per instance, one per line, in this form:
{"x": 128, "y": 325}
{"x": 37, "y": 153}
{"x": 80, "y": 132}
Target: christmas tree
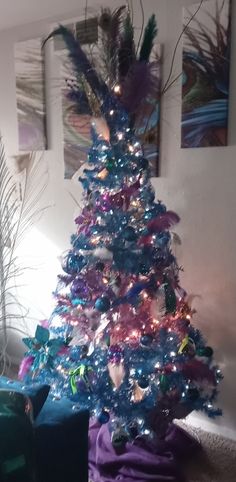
{"x": 120, "y": 339}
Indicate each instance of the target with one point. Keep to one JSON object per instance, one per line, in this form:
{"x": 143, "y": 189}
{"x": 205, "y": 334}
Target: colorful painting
{"x": 77, "y": 122}
{"x": 147, "y": 125}
{"x": 206, "y": 65}
{"x": 30, "y": 95}
{"x": 76, "y": 126}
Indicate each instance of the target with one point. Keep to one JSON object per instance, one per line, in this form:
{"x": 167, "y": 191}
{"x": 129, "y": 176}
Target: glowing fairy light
{"x": 158, "y": 365}
{"x": 120, "y": 136}
{"x": 172, "y": 353}
{"x": 117, "y": 89}
{"x": 103, "y": 174}
{"x": 131, "y": 148}
{"x": 111, "y": 112}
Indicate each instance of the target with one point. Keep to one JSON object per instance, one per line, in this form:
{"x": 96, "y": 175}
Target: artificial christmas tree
{"x": 120, "y": 339}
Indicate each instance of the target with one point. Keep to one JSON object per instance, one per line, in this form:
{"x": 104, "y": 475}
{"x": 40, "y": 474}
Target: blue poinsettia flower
{"x": 41, "y": 348}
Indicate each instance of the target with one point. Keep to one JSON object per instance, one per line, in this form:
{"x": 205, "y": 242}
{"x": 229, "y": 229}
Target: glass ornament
{"x": 79, "y": 288}
{"x": 129, "y": 234}
{"x": 146, "y": 340}
{"x": 73, "y": 263}
{"x": 205, "y": 351}
{"x": 143, "y": 382}
{"x": 119, "y": 438}
{"x": 193, "y": 394}
{"x": 103, "y": 417}
{"x": 164, "y": 383}
{"x": 143, "y": 163}
{"x": 102, "y": 304}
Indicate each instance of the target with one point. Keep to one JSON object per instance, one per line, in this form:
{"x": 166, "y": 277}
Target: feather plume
{"x": 110, "y": 23}
{"x": 80, "y": 61}
{"x": 148, "y": 39}
{"x": 139, "y": 84}
{"x": 126, "y": 54}
{"x": 21, "y": 189}
{"x": 165, "y": 221}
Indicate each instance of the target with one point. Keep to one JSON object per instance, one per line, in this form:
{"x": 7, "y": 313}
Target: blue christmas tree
{"x": 120, "y": 339}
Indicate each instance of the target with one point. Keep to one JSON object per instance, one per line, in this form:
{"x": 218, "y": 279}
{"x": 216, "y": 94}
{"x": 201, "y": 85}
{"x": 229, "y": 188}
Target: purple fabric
{"x": 139, "y": 462}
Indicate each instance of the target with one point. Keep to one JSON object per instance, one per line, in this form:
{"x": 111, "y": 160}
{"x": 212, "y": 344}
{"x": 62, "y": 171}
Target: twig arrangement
{"x": 19, "y": 210}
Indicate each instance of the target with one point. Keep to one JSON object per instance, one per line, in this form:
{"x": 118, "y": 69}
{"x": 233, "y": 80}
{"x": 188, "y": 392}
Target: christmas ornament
{"x": 103, "y": 417}
{"x": 119, "y": 438}
{"x": 146, "y": 340}
{"x": 102, "y": 304}
{"x": 73, "y": 263}
{"x": 205, "y": 351}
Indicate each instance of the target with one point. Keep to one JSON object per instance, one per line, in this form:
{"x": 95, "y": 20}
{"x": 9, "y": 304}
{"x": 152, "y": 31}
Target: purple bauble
{"x": 79, "y": 288}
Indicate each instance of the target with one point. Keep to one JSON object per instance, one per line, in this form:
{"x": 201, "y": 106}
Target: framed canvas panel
{"x": 77, "y": 122}
{"x": 30, "y": 95}
{"x": 206, "y": 67}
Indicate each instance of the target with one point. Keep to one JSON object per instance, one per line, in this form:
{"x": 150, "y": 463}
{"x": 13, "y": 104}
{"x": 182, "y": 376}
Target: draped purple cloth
{"x": 143, "y": 461}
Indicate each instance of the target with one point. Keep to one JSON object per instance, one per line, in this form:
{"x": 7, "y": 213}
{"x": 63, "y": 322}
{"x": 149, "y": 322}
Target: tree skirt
{"x": 142, "y": 461}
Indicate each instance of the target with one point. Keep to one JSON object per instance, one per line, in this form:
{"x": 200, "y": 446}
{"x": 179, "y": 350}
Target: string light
{"x": 103, "y": 174}
{"x": 117, "y": 89}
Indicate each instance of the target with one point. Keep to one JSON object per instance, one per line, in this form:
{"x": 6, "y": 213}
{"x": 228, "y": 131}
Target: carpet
{"x": 217, "y": 460}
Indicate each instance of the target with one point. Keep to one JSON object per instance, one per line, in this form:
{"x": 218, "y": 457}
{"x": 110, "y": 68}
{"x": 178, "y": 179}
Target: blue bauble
{"x": 73, "y": 263}
{"x": 146, "y": 340}
{"x": 103, "y": 417}
{"x": 129, "y": 234}
{"x": 163, "y": 238}
{"x": 143, "y": 163}
{"x": 143, "y": 382}
{"x": 102, "y": 304}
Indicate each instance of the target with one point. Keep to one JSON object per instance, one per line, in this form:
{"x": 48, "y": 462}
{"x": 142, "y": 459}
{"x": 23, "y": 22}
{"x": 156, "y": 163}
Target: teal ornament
{"x": 129, "y": 234}
{"x": 143, "y": 382}
{"x": 205, "y": 351}
{"x": 102, "y": 304}
{"x": 73, "y": 263}
{"x": 146, "y": 340}
{"x": 103, "y": 417}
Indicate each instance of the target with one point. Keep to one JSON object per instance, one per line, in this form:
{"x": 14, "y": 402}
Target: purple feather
{"x": 165, "y": 221}
{"x": 139, "y": 84}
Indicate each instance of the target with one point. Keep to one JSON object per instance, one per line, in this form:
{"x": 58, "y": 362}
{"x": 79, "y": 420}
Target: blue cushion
{"x": 37, "y": 393}
{"x": 61, "y": 435}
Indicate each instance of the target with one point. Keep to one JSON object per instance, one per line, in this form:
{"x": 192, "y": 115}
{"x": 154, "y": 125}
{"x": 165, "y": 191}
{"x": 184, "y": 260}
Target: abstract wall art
{"x": 77, "y": 118}
{"x": 76, "y": 124}
{"x": 147, "y": 125}
{"x": 206, "y": 67}
{"x": 30, "y": 95}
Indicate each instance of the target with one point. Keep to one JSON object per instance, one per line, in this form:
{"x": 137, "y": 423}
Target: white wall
{"x": 198, "y": 183}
